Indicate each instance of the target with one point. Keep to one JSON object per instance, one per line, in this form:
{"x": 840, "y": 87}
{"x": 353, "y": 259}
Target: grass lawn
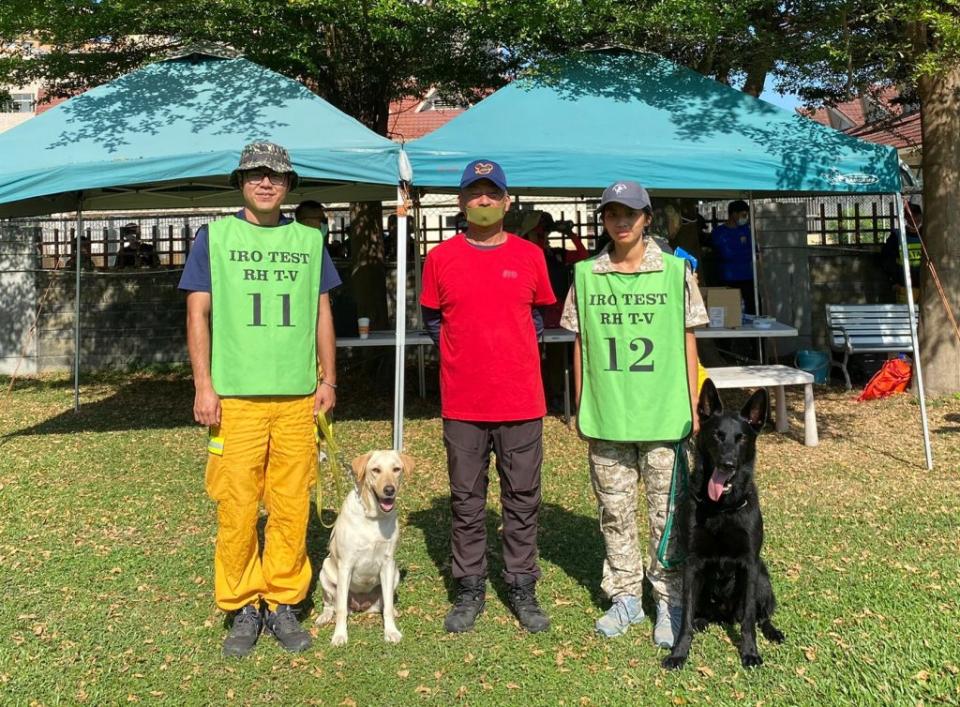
{"x": 107, "y": 538}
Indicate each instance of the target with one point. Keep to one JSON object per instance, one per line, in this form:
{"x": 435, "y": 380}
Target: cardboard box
{"x": 723, "y": 306}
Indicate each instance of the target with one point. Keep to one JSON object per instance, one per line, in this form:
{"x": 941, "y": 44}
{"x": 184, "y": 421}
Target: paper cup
{"x": 363, "y": 324}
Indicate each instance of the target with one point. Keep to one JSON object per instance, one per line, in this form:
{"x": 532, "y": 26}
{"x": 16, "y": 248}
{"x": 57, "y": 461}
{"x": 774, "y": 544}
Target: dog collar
{"x": 723, "y": 510}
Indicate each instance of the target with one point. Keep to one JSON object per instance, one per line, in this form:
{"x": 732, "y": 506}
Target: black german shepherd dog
{"x": 721, "y": 530}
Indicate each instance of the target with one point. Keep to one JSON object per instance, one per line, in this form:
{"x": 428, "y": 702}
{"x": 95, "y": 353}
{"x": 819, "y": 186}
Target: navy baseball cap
{"x": 627, "y": 193}
{"x": 483, "y": 169}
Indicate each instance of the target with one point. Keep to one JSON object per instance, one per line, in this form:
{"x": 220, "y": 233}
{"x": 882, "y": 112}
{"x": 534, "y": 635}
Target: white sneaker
{"x": 667, "y": 628}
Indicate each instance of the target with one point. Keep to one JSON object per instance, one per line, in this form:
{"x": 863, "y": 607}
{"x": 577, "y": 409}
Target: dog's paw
{"x": 339, "y": 638}
{"x": 751, "y": 660}
{"x": 392, "y": 635}
{"x": 673, "y": 662}
{"x": 325, "y": 617}
{"x": 772, "y": 633}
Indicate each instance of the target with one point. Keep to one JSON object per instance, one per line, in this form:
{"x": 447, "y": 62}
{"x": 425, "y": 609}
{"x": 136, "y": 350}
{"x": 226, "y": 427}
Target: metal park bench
{"x": 867, "y": 328}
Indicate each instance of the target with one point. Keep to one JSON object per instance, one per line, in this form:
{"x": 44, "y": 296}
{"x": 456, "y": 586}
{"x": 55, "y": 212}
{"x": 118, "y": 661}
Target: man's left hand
{"x": 324, "y": 400}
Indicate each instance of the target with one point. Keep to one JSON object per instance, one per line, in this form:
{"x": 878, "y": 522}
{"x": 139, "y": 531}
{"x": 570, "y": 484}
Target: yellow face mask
{"x": 484, "y": 215}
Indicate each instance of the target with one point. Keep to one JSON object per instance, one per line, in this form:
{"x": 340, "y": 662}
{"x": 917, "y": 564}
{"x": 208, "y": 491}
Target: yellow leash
{"x": 323, "y": 429}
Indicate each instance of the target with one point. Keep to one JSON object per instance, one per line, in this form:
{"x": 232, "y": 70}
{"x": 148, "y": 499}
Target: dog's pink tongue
{"x": 716, "y": 483}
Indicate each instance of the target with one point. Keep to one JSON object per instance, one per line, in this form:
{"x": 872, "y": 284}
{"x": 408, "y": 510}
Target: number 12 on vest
{"x": 641, "y": 344}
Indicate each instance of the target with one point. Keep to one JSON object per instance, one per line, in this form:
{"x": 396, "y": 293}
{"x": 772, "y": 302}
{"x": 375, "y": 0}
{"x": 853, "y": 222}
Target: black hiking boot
{"x": 283, "y": 625}
{"x": 244, "y": 632}
{"x": 471, "y": 598}
{"x": 523, "y": 602}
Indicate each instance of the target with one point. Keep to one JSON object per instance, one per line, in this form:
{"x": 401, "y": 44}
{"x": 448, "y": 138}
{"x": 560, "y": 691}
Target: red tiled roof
{"x": 407, "y": 123}
{"x": 43, "y": 106}
{"x": 903, "y": 133}
{"x": 899, "y": 133}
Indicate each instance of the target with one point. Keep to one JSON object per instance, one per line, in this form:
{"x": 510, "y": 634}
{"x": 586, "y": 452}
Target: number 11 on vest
{"x": 258, "y": 310}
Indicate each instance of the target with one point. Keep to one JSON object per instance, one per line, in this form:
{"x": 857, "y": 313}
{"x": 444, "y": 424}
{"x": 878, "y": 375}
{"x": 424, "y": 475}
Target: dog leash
{"x": 679, "y": 491}
{"x": 323, "y": 428}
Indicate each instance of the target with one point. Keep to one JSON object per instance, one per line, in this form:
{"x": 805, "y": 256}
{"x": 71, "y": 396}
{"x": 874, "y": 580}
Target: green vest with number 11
{"x": 266, "y": 283}
{"x": 633, "y": 353}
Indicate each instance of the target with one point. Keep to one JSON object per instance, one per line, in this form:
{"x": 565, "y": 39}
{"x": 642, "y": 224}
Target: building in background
{"x": 880, "y": 117}
{"x": 411, "y": 118}
{"x": 24, "y": 102}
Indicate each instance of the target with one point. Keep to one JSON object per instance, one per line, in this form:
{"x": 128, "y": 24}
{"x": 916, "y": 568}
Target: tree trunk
{"x": 369, "y": 269}
{"x": 757, "y": 76}
{"x": 366, "y": 234}
{"x": 940, "y": 114}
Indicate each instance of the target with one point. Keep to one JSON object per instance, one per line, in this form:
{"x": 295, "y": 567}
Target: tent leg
{"x": 913, "y": 332}
{"x": 78, "y": 258}
{"x": 417, "y": 285}
{"x": 756, "y": 282}
{"x": 401, "y": 323}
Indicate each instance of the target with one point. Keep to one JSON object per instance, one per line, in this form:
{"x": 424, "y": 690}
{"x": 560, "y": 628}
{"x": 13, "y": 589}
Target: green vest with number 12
{"x": 633, "y": 353}
{"x": 266, "y": 283}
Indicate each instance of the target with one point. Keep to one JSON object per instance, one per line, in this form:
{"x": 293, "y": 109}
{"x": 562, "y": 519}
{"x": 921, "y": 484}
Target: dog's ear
{"x": 407, "y": 462}
{"x": 756, "y": 410}
{"x": 709, "y": 403}
{"x": 359, "y": 465}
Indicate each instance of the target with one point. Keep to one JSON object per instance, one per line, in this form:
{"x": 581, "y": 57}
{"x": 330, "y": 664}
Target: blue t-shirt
{"x": 196, "y": 271}
{"x": 732, "y": 246}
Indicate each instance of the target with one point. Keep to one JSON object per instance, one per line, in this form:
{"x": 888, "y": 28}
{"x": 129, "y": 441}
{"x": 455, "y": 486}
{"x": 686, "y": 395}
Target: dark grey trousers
{"x": 519, "y": 452}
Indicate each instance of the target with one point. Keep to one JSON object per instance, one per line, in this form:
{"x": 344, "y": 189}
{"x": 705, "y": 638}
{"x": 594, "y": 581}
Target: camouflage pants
{"x": 616, "y": 469}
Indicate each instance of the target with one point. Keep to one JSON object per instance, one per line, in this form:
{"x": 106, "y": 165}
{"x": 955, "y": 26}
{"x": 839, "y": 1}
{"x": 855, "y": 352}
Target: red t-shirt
{"x": 489, "y": 358}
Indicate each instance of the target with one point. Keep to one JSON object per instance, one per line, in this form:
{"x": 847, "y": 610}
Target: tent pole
{"x": 417, "y": 286}
{"x": 754, "y": 245}
{"x": 401, "y": 323}
{"x": 904, "y": 253}
{"x": 78, "y": 258}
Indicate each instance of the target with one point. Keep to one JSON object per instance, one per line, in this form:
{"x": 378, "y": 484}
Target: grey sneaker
{"x": 284, "y": 625}
{"x": 244, "y": 632}
{"x": 624, "y": 611}
{"x": 668, "y": 624}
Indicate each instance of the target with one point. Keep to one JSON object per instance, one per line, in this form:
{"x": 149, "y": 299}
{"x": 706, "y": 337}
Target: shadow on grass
{"x": 318, "y": 538}
{"x": 140, "y": 404}
{"x": 145, "y": 401}
{"x": 566, "y": 539}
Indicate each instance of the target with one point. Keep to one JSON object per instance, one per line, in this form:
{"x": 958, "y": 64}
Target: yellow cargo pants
{"x": 269, "y": 456}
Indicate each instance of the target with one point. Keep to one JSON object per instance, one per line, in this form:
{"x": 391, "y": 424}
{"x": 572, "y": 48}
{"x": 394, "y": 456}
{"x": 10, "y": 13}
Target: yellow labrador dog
{"x": 360, "y": 572}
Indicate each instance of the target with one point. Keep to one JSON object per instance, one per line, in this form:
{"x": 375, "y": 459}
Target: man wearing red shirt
{"x": 481, "y": 289}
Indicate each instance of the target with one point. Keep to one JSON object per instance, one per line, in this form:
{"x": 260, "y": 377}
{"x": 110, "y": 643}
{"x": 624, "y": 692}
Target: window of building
{"x": 18, "y": 103}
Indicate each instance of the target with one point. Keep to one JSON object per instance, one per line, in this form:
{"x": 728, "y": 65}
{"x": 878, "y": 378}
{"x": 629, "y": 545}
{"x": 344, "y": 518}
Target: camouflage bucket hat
{"x": 264, "y": 154}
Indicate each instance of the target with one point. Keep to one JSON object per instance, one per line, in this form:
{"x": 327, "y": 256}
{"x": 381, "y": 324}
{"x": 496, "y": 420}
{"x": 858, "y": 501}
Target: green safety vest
{"x": 914, "y": 252}
{"x": 633, "y": 353}
{"x": 266, "y": 283}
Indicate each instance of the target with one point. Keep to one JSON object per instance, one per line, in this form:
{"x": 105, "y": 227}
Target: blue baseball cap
{"x": 483, "y": 169}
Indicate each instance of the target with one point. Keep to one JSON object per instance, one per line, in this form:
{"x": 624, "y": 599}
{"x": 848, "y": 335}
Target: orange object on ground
{"x": 893, "y": 377}
{"x": 269, "y": 455}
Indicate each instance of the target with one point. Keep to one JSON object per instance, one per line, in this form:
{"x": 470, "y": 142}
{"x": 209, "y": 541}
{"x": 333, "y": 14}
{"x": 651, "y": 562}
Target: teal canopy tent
{"x": 166, "y": 136}
{"x": 575, "y": 125}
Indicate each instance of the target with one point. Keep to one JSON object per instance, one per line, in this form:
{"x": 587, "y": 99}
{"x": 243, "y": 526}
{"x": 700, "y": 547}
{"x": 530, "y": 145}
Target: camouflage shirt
{"x": 695, "y": 313}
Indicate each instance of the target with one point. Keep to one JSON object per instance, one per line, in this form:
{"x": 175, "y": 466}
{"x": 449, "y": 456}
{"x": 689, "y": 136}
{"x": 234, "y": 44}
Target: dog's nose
{"x": 389, "y": 490}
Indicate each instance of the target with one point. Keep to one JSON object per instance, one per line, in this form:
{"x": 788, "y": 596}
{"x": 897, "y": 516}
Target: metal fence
{"x": 831, "y": 221}
{"x": 834, "y": 220}
{"x": 52, "y": 239}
